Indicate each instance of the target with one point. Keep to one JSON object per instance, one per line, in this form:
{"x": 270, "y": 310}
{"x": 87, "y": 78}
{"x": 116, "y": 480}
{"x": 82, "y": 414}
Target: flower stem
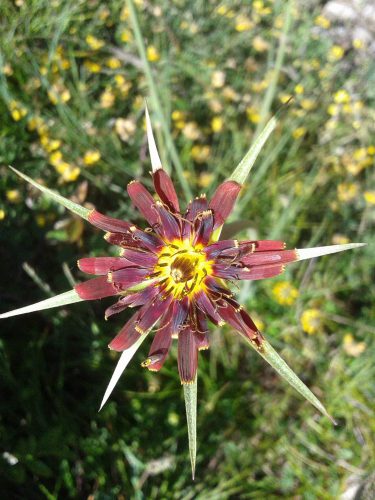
{"x": 156, "y": 101}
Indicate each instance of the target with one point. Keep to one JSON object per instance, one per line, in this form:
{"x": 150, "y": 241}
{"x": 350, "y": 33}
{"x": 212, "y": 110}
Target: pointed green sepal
{"x": 123, "y": 362}
{"x": 190, "y": 394}
{"x": 243, "y": 169}
{"x": 70, "y": 205}
{"x": 270, "y": 355}
{"x": 57, "y": 301}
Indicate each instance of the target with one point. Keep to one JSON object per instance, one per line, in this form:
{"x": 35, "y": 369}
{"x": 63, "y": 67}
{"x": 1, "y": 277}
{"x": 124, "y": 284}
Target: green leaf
{"x": 270, "y": 355}
{"x": 190, "y": 394}
{"x": 57, "y": 301}
{"x": 243, "y": 169}
{"x": 123, "y": 362}
{"x": 70, "y": 205}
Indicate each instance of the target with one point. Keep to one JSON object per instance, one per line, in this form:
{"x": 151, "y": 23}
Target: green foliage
{"x": 72, "y": 119}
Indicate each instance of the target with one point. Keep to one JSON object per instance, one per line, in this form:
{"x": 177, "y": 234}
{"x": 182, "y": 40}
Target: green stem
{"x": 156, "y": 101}
{"x": 271, "y": 89}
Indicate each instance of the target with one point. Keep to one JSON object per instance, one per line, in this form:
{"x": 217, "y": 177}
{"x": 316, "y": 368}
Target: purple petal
{"x": 203, "y": 227}
{"x": 187, "y": 356}
{"x": 223, "y": 201}
{"x": 108, "y": 223}
{"x": 165, "y": 189}
{"x": 96, "y": 288}
{"x": 102, "y": 265}
{"x": 144, "y": 202}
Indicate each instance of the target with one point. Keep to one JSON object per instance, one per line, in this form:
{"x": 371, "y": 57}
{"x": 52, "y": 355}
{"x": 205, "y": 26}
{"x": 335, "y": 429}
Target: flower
{"x": 285, "y": 293}
{"x": 177, "y": 273}
{"x": 311, "y": 321}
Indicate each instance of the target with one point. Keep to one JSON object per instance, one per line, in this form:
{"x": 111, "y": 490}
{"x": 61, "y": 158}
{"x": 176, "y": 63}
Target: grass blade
{"x": 190, "y": 395}
{"x": 70, "y": 205}
{"x": 57, "y": 301}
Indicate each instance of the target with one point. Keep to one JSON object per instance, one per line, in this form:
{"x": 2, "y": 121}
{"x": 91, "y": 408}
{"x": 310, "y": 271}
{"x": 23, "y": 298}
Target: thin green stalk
{"x": 271, "y": 89}
{"x": 156, "y": 101}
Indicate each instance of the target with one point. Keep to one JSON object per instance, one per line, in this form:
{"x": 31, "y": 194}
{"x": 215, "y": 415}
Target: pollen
{"x": 182, "y": 267}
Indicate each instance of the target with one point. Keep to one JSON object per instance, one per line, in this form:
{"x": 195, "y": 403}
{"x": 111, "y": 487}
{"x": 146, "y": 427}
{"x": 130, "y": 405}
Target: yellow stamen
{"x": 182, "y": 267}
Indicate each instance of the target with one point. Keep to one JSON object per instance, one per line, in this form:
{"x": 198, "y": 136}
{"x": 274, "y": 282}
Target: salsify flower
{"x": 176, "y": 272}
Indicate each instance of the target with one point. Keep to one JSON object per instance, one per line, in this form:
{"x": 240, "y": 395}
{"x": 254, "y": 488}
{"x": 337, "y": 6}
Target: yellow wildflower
{"x": 243, "y": 23}
{"x": 71, "y": 174}
{"x": 336, "y": 53}
{"x": 2, "y": 214}
{"x": 285, "y": 293}
{"x": 92, "y": 67}
{"x": 341, "y": 97}
{"x": 107, "y": 98}
{"x": 259, "y": 44}
{"x": 360, "y": 154}
{"x": 113, "y": 63}
{"x": 17, "y": 110}
{"x": 371, "y": 150}
{"x": 222, "y": 10}
{"x": 284, "y": 98}
{"x": 352, "y": 347}
{"x": 153, "y": 54}
{"x": 333, "y": 109}
{"x": 48, "y": 144}
{"x": 91, "y": 157}
{"x": 322, "y": 22}
{"x": 311, "y": 321}
{"x": 200, "y": 153}
{"x": 299, "y": 132}
{"x": 58, "y": 93}
{"x": 217, "y": 124}
{"x": 369, "y": 197}
{"x": 13, "y": 195}
{"x": 340, "y": 239}
{"x": 55, "y": 158}
{"x": 308, "y": 104}
{"x": 253, "y": 114}
{"x": 177, "y": 115}
{"x": 358, "y": 43}
{"x": 347, "y": 191}
{"x": 299, "y": 89}
{"x": 205, "y": 179}
{"x": 126, "y": 36}
{"x": 94, "y": 43}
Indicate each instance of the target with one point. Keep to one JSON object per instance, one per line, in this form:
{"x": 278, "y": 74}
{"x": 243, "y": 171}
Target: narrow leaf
{"x": 190, "y": 394}
{"x": 271, "y": 356}
{"x": 70, "y": 205}
{"x": 243, "y": 169}
{"x": 123, "y": 362}
{"x": 310, "y": 253}
{"x": 154, "y": 155}
{"x": 57, "y": 301}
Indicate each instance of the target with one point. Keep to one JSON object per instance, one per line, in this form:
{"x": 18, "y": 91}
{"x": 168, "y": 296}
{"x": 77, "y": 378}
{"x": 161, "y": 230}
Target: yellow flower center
{"x": 182, "y": 267}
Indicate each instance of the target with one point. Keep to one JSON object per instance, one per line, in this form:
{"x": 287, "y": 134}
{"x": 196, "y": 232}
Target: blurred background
{"x": 73, "y": 78}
